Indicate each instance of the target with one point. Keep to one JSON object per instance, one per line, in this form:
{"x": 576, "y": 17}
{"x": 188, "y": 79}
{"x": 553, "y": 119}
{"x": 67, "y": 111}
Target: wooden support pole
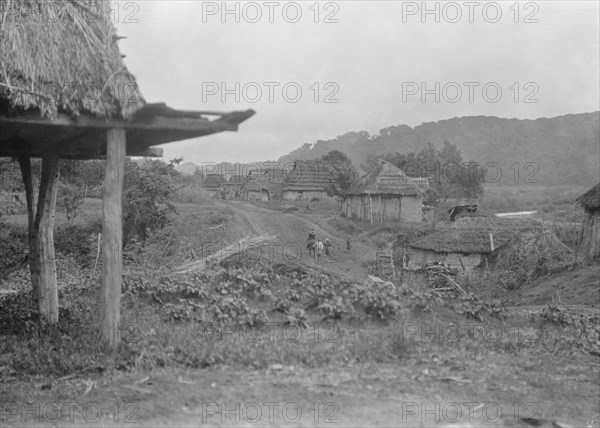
{"x": 112, "y": 235}
{"x": 43, "y": 229}
{"x": 34, "y": 266}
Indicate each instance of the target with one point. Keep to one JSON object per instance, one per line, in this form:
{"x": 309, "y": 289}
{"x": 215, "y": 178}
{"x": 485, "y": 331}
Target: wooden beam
{"x": 43, "y": 229}
{"x": 112, "y": 235}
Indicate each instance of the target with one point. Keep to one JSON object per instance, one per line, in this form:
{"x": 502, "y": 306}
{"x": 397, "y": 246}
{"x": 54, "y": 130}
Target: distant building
{"x": 214, "y": 183}
{"x": 589, "y": 241}
{"x": 384, "y": 194}
{"x": 266, "y": 186}
{"x": 308, "y": 180}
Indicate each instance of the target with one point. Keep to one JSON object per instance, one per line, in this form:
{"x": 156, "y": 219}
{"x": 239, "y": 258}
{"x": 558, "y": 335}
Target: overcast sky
{"x": 370, "y": 60}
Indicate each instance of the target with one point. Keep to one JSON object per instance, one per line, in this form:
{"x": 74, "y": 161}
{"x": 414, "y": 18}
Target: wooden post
{"x": 34, "y": 266}
{"x": 112, "y": 235}
{"x": 43, "y": 227}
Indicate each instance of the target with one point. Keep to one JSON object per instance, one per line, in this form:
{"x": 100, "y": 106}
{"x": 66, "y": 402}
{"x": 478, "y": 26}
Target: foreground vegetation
{"x": 248, "y": 313}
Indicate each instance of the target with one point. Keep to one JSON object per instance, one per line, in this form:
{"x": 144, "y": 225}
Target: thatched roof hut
{"x": 308, "y": 179}
{"x": 262, "y": 187}
{"x": 385, "y": 194}
{"x": 63, "y": 83}
{"x": 469, "y": 242}
{"x": 65, "y": 93}
{"x": 213, "y": 181}
{"x": 589, "y": 241}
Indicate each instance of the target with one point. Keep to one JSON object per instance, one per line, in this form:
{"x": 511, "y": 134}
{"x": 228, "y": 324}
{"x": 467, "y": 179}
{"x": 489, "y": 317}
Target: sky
{"x": 316, "y": 70}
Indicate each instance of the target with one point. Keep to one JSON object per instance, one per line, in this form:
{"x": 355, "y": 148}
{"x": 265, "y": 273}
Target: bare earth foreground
{"x": 461, "y": 386}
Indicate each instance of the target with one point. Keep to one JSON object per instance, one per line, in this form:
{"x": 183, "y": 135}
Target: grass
{"x": 553, "y": 203}
{"x": 206, "y": 320}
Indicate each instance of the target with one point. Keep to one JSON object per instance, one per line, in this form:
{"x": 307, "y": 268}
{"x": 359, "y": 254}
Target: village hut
{"x": 234, "y": 185}
{"x": 214, "y": 184}
{"x": 462, "y": 248}
{"x": 589, "y": 241}
{"x": 65, "y": 93}
{"x": 384, "y": 194}
{"x": 264, "y": 187}
{"x": 309, "y": 180}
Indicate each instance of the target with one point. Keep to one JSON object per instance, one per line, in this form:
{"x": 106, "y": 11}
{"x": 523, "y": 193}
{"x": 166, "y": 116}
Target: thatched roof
{"x": 214, "y": 181}
{"x": 591, "y": 198}
{"x": 62, "y": 55}
{"x": 387, "y": 179}
{"x": 464, "y": 241}
{"x": 63, "y": 84}
{"x": 471, "y": 235}
{"x": 263, "y": 182}
{"x": 538, "y": 253}
{"x": 309, "y": 176}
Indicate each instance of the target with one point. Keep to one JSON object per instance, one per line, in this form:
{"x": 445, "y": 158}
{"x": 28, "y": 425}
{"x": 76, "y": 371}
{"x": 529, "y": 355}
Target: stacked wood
{"x": 438, "y": 275}
{"x": 384, "y": 265}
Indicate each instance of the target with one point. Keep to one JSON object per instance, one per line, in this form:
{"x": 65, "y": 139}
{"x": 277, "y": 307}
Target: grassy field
{"x": 552, "y": 202}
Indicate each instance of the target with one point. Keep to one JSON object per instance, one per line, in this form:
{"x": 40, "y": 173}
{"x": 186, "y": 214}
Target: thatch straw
{"x": 591, "y": 198}
{"x": 387, "y": 179}
{"x": 62, "y": 55}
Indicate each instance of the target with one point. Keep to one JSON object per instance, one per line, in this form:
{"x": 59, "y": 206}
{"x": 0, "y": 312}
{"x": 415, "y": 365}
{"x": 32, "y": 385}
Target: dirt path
{"x": 499, "y": 390}
{"x": 292, "y": 230}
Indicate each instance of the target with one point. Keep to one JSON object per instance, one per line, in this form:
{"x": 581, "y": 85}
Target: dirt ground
{"x": 491, "y": 390}
{"x": 462, "y": 386}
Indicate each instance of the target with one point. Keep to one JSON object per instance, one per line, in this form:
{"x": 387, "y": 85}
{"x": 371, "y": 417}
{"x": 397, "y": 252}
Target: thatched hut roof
{"x": 263, "y": 182}
{"x": 463, "y": 241}
{"x": 62, "y": 55}
{"x": 309, "y": 176}
{"x": 63, "y": 84}
{"x": 387, "y": 179}
{"x": 471, "y": 235}
{"x": 214, "y": 181}
{"x": 591, "y": 198}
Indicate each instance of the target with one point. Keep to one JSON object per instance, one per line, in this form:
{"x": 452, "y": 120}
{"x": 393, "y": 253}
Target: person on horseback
{"x": 310, "y": 242}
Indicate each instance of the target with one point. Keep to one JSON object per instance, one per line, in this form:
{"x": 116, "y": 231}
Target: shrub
{"x": 147, "y": 197}
{"x": 70, "y": 197}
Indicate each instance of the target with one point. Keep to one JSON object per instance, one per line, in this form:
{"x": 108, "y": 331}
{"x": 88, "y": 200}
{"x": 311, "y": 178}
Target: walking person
{"x": 348, "y": 244}
{"x": 318, "y": 250}
{"x": 327, "y": 246}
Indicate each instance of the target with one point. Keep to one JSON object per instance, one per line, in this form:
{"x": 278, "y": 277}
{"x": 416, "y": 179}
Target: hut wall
{"x": 306, "y": 195}
{"x": 258, "y": 195}
{"x": 411, "y": 209}
{"x": 384, "y": 208}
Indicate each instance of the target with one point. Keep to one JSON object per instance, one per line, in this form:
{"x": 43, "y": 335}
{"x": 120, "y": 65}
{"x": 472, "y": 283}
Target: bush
{"x": 147, "y": 197}
{"x": 70, "y": 197}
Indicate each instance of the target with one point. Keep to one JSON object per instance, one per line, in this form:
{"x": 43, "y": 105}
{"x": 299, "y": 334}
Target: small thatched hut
{"x": 214, "y": 185}
{"x": 384, "y": 194}
{"x": 264, "y": 187}
{"x": 308, "y": 180}
{"x": 464, "y": 249}
{"x": 589, "y": 242}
